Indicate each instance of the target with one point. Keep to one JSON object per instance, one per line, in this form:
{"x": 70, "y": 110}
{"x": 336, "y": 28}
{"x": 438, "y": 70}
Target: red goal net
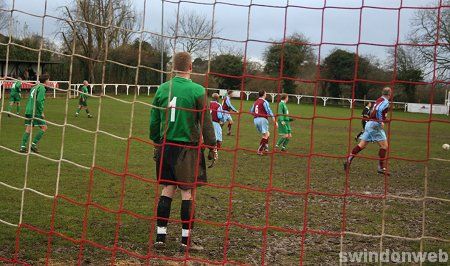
{"x": 91, "y": 195}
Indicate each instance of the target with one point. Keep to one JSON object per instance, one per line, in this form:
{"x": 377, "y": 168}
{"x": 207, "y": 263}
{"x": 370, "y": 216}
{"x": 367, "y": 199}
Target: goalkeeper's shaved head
{"x": 182, "y": 61}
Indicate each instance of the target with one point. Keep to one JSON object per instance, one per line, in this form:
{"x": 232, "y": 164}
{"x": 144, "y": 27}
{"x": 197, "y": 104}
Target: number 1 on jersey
{"x": 172, "y": 106}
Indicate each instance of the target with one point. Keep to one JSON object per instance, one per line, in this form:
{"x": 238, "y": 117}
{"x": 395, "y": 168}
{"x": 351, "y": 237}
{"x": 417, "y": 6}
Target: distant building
{"x": 26, "y": 69}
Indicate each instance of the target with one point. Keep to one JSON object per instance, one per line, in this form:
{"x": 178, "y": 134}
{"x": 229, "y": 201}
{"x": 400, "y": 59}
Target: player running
{"x": 82, "y": 102}
{"x": 34, "y": 114}
{"x": 227, "y": 107}
{"x": 374, "y": 131}
{"x": 182, "y": 123}
{"x": 261, "y": 111}
{"x": 15, "y": 96}
{"x": 365, "y": 116}
{"x": 217, "y": 118}
{"x": 284, "y": 128}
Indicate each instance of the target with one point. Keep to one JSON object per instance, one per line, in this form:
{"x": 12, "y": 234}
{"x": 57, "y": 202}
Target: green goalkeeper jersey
{"x": 179, "y": 117}
{"x": 16, "y": 88}
{"x": 283, "y": 112}
{"x": 37, "y": 97}
{"x": 84, "y": 93}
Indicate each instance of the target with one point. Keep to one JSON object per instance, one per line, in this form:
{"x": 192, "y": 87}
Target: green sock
{"x": 38, "y": 137}
{"x": 87, "y": 111}
{"x": 286, "y": 141}
{"x": 18, "y": 108}
{"x": 78, "y": 110}
{"x": 280, "y": 141}
{"x": 25, "y": 139}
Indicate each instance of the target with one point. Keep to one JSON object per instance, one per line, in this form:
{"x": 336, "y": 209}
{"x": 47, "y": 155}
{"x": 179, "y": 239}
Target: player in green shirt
{"x": 15, "y": 96}
{"x": 181, "y": 122}
{"x": 284, "y": 128}
{"x": 82, "y": 102}
{"x": 34, "y": 114}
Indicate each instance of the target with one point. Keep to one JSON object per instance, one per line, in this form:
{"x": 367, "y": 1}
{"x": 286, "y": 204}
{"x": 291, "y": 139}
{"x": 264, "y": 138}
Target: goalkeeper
{"x": 284, "y": 128}
{"x": 180, "y": 119}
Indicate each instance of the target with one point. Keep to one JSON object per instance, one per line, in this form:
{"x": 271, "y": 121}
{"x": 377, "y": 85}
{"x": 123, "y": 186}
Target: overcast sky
{"x": 378, "y": 25}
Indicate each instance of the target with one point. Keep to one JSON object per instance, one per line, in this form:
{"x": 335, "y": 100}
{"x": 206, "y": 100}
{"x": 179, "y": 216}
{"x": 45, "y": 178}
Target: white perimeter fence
{"x": 116, "y": 88}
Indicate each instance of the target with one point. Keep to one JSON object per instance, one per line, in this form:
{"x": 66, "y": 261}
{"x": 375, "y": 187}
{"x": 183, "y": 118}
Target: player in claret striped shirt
{"x": 227, "y": 107}
{"x": 181, "y": 121}
{"x": 374, "y": 131}
{"x": 217, "y": 118}
{"x": 261, "y": 112}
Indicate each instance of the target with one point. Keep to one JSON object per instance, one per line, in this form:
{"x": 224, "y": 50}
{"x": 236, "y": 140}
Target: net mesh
{"x": 306, "y": 233}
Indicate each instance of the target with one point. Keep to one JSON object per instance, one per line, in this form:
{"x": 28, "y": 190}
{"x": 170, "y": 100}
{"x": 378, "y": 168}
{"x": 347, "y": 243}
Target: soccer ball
{"x": 446, "y": 146}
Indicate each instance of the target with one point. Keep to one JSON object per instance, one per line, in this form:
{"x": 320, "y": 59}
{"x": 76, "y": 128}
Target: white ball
{"x": 446, "y": 146}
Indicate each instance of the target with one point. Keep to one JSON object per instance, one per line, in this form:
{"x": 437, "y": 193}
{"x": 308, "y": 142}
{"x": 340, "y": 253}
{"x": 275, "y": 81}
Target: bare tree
{"x": 409, "y": 70}
{"x": 192, "y": 32}
{"x": 4, "y": 16}
{"x": 158, "y": 42}
{"x": 425, "y": 31}
{"x": 18, "y": 30}
{"x": 96, "y": 25}
{"x": 224, "y": 48}
{"x": 406, "y": 57}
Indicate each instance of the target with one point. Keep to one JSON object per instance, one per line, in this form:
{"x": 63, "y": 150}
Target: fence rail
{"x": 324, "y": 99}
{"x": 75, "y": 91}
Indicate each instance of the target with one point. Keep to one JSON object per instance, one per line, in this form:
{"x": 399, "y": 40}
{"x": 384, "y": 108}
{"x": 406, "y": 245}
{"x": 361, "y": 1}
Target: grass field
{"x": 252, "y": 233}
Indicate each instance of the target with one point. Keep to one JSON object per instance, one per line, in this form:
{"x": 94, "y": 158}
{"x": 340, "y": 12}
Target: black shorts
{"x": 179, "y": 165}
{"x": 363, "y": 123}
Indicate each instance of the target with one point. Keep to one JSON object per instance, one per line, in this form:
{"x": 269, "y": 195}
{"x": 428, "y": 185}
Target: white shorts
{"x": 227, "y": 116}
{"x": 262, "y": 125}
{"x": 373, "y": 132}
{"x": 218, "y": 131}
